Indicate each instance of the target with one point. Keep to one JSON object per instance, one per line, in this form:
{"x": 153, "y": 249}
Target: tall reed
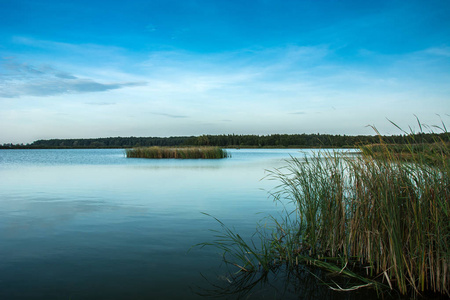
{"x": 347, "y": 213}
{"x": 182, "y": 153}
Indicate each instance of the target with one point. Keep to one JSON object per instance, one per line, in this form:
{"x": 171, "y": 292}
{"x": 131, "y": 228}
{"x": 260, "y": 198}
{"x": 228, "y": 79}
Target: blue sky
{"x": 80, "y": 69}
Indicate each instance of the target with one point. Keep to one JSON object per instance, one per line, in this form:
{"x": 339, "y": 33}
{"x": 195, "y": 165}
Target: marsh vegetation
{"x": 180, "y": 153}
{"x": 378, "y": 219}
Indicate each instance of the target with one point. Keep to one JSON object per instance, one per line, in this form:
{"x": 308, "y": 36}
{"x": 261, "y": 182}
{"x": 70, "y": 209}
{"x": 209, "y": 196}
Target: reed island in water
{"x": 180, "y": 153}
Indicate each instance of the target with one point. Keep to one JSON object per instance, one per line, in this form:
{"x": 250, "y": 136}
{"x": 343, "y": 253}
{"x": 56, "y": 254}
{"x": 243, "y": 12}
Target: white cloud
{"x": 286, "y": 90}
{"x": 440, "y": 51}
{"x": 25, "y": 79}
{"x": 169, "y": 115}
{"x": 150, "y": 28}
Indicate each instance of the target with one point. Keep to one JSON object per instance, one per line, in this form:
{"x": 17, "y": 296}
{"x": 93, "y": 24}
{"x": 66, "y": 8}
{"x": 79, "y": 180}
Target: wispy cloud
{"x": 297, "y": 113}
{"x": 440, "y": 51}
{"x": 70, "y": 48}
{"x": 23, "y": 79}
{"x": 101, "y": 103}
{"x": 150, "y": 28}
{"x": 169, "y": 115}
{"x": 279, "y": 89}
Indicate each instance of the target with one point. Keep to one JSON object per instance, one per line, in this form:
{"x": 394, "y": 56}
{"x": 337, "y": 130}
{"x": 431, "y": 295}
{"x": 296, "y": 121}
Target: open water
{"x": 93, "y": 224}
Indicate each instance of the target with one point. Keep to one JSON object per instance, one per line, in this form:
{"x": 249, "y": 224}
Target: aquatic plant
{"x": 380, "y": 219}
{"x": 181, "y": 153}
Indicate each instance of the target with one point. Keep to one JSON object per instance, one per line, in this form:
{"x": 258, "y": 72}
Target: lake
{"x": 93, "y": 224}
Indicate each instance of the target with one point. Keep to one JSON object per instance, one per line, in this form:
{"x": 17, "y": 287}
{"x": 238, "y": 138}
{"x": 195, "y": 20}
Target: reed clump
{"x": 379, "y": 218}
{"x": 179, "y": 153}
{"x": 433, "y": 153}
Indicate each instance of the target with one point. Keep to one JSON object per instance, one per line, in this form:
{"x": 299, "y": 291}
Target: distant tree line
{"x": 111, "y": 142}
{"x": 236, "y": 141}
{"x": 310, "y": 140}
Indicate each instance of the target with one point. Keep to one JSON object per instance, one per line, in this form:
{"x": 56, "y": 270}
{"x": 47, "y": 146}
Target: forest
{"x": 234, "y": 141}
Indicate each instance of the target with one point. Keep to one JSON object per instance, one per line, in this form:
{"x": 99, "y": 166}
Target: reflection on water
{"x": 92, "y": 224}
{"x": 305, "y": 283}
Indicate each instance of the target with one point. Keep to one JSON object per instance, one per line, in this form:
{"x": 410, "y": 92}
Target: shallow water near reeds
{"x": 93, "y": 224}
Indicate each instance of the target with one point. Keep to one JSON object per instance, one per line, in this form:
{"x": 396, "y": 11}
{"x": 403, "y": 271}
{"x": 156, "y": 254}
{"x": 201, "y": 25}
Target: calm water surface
{"x": 92, "y": 224}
